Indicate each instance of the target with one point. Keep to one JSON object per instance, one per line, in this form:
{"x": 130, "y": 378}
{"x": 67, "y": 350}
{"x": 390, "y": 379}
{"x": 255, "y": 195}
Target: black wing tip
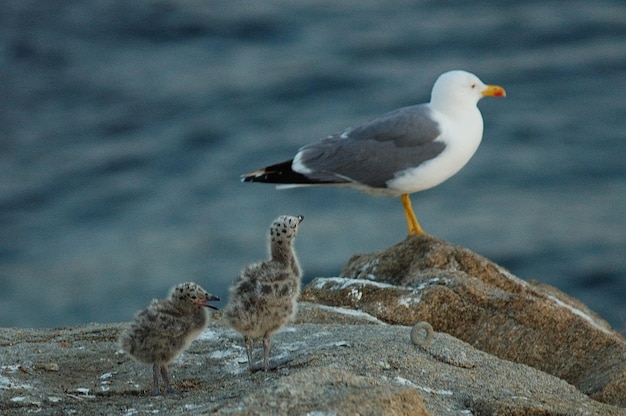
{"x": 268, "y": 174}
{"x": 280, "y": 173}
{"x": 259, "y": 177}
{"x": 249, "y": 177}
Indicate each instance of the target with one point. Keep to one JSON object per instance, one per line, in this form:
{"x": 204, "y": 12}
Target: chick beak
{"x": 206, "y": 303}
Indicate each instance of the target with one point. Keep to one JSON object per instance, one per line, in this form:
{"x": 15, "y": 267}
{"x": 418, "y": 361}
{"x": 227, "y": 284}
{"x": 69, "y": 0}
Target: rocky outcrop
{"x": 467, "y": 296}
{"x": 502, "y": 346}
{"x": 338, "y": 362}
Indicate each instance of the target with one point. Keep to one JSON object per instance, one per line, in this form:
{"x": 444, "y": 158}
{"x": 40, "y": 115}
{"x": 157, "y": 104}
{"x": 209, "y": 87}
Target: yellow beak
{"x": 494, "y": 91}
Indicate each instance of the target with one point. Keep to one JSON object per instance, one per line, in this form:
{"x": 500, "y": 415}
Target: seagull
{"x": 404, "y": 151}
{"x": 166, "y": 328}
{"x": 263, "y": 298}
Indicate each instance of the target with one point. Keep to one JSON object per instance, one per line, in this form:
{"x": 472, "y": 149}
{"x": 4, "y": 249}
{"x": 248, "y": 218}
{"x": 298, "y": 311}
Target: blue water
{"x": 124, "y": 128}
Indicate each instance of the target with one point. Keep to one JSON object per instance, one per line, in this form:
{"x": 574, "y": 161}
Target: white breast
{"x": 462, "y": 133}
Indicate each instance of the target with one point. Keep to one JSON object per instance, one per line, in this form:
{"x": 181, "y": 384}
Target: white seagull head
{"x": 454, "y": 89}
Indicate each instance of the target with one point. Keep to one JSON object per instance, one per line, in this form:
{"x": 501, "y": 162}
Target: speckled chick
{"x": 166, "y": 328}
{"x": 263, "y": 298}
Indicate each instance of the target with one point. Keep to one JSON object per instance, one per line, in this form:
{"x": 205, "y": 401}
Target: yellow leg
{"x": 414, "y": 227}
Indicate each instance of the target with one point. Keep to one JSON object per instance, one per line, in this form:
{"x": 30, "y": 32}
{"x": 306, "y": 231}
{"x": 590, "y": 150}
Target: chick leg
{"x": 266, "y": 351}
{"x": 155, "y": 380}
{"x": 249, "y": 347}
{"x": 166, "y": 380}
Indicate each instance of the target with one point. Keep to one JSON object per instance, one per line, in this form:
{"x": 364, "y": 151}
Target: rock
{"x": 342, "y": 362}
{"x": 503, "y": 346}
{"x": 467, "y": 296}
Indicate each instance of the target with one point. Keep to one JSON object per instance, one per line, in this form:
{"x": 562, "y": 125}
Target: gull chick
{"x": 263, "y": 298}
{"x": 166, "y": 328}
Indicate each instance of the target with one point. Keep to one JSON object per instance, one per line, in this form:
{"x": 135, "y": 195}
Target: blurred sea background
{"x": 125, "y": 127}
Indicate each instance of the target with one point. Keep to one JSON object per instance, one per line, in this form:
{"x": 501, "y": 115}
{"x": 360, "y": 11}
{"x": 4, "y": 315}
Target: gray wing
{"x": 374, "y": 152}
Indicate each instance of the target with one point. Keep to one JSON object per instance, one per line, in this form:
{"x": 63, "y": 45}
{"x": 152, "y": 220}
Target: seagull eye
{"x": 473, "y": 85}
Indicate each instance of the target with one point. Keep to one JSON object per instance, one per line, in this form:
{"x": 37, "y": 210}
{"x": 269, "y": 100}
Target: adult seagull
{"x": 407, "y": 150}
